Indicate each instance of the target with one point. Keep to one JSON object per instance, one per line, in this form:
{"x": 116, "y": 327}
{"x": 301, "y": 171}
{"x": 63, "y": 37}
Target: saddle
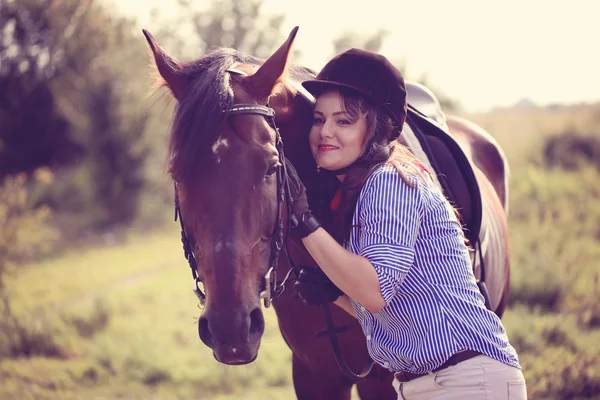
{"x": 427, "y": 137}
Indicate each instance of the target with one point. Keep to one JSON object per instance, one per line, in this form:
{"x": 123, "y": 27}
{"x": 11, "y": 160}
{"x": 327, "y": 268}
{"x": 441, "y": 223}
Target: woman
{"x": 396, "y": 249}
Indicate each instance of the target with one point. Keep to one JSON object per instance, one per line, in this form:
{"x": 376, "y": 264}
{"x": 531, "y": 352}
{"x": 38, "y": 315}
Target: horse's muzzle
{"x": 233, "y": 336}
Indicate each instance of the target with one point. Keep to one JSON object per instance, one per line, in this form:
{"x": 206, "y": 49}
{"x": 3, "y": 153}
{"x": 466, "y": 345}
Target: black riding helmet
{"x": 370, "y": 75}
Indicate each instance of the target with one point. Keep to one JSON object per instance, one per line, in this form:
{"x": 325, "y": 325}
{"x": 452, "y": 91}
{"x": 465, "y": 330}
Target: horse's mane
{"x": 200, "y": 111}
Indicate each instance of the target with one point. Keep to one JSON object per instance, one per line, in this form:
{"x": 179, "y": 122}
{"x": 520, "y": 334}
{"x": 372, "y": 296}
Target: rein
{"x": 331, "y": 332}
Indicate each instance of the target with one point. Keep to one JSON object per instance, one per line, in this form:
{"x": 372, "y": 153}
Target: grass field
{"x": 124, "y": 318}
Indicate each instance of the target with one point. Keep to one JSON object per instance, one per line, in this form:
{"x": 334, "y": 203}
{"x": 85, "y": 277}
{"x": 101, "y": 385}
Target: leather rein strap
{"x": 331, "y": 332}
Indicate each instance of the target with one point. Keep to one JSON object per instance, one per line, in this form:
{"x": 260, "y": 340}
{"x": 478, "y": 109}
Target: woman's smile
{"x": 327, "y": 147}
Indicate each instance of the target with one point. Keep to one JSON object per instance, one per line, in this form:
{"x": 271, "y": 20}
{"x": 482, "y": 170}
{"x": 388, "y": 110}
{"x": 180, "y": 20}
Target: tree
{"x": 239, "y": 24}
{"x": 351, "y": 39}
{"x": 71, "y": 74}
{"x": 32, "y": 131}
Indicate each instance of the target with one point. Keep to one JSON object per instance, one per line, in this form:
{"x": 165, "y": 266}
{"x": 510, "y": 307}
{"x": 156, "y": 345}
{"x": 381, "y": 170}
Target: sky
{"x": 483, "y": 53}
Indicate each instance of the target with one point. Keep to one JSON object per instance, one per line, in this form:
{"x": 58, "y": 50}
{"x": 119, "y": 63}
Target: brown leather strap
{"x": 455, "y": 359}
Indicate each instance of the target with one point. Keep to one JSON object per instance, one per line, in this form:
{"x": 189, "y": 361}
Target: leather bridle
{"x": 271, "y": 288}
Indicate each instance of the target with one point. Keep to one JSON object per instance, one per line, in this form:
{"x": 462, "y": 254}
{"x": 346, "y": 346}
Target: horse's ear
{"x": 168, "y": 67}
{"x": 264, "y": 79}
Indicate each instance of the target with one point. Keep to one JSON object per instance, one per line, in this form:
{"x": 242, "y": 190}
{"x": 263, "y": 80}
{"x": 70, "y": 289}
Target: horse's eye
{"x": 272, "y": 170}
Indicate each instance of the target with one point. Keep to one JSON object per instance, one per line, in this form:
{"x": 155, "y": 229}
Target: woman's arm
{"x": 344, "y": 303}
{"x": 390, "y": 218}
{"x": 353, "y": 274}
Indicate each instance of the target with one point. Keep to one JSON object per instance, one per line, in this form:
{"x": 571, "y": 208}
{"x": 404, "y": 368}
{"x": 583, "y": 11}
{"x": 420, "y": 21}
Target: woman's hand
{"x": 353, "y": 274}
{"x": 302, "y": 219}
{"x": 315, "y": 288}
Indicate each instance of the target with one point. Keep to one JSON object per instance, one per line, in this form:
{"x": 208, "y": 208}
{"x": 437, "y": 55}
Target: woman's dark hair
{"x": 376, "y": 151}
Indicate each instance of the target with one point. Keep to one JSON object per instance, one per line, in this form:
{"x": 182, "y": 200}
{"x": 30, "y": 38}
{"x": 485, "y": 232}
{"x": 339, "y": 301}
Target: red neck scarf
{"x": 335, "y": 202}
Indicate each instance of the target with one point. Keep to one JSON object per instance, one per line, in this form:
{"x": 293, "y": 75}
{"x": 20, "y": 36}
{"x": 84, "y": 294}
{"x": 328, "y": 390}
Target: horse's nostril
{"x": 257, "y": 324}
{"x": 204, "y": 332}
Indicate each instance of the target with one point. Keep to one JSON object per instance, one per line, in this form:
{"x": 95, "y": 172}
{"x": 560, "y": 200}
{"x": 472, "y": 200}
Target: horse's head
{"x": 226, "y": 163}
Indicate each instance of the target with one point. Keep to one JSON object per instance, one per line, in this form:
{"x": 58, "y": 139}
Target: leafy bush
{"x": 558, "y": 337}
{"x": 145, "y": 372}
{"x": 548, "y": 296}
{"x": 554, "y": 241}
{"x": 25, "y": 234}
{"x": 562, "y": 375}
{"x": 20, "y": 337}
{"x": 156, "y": 376}
{"x": 25, "y": 230}
{"x": 571, "y": 150}
{"x": 93, "y": 322}
{"x": 587, "y": 308}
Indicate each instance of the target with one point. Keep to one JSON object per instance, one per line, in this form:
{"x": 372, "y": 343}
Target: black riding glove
{"x": 315, "y": 288}
{"x": 302, "y": 219}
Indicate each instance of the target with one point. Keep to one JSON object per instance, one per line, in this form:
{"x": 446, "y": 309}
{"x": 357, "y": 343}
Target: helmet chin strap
{"x": 343, "y": 171}
{"x": 359, "y": 160}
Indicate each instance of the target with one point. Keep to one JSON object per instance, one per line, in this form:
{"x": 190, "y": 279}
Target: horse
{"x": 236, "y": 116}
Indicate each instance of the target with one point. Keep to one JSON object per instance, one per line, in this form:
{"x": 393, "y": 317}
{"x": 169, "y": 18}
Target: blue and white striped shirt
{"x": 433, "y": 306}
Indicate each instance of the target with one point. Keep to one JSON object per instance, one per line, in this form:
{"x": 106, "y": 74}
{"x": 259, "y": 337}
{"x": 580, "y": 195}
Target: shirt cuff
{"x": 392, "y": 263}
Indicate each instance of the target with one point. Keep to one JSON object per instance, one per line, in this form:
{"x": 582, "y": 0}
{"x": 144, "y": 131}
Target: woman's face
{"x": 336, "y": 138}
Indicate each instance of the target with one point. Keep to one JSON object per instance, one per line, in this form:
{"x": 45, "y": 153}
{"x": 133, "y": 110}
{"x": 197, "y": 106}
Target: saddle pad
{"x": 454, "y": 171}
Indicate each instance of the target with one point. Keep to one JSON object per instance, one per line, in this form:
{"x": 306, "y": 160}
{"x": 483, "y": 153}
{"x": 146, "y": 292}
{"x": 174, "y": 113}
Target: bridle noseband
{"x": 271, "y": 288}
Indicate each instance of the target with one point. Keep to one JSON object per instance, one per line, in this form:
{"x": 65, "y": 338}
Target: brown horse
{"x": 225, "y": 158}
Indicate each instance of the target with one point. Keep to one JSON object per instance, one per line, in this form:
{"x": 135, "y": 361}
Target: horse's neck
{"x": 293, "y": 115}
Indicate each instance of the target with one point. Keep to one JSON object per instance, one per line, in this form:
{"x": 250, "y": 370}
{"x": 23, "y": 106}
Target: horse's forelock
{"x": 199, "y": 113}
